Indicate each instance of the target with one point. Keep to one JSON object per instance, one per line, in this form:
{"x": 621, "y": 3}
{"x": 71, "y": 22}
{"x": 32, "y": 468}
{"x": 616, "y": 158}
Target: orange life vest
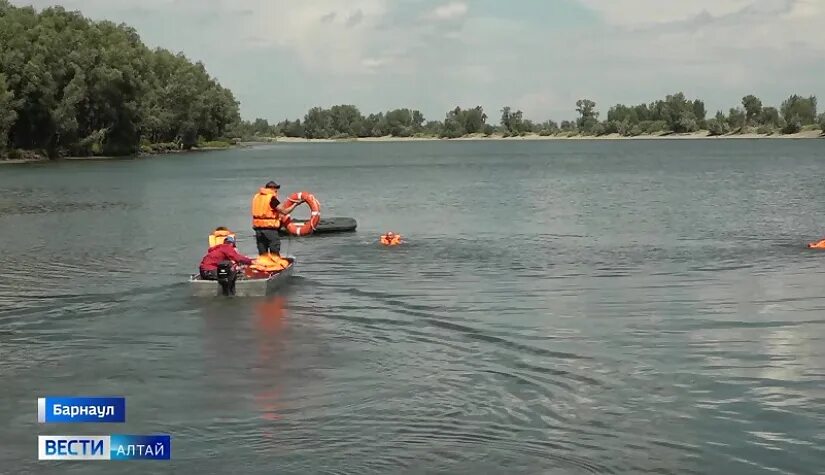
{"x": 269, "y": 263}
{"x": 263, "y": 216}
{"x": 817, "y": 245}
{"x": 217, "y": 237}
{"x": 390, "y": 241}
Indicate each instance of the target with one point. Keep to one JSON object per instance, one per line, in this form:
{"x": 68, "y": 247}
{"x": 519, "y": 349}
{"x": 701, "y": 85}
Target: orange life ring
{"x": 308, "y": 227}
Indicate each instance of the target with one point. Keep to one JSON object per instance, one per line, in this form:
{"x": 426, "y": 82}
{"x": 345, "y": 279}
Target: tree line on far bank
{"x": 72, "y": 86}
{"x": 673, "y": 114}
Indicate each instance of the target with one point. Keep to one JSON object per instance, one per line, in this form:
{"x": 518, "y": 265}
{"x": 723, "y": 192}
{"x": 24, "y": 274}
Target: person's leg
{"x": 209, "y": 275}
{"x": 274, "y": 241}
{"x": 261, "y": 241}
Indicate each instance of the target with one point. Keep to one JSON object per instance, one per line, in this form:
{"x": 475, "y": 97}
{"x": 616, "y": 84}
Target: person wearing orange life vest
{"x": 268, "y": 215}
{"x": 390, "y": 239}
{"x": 219, "y": 234}
{"x": 817, "y": 245}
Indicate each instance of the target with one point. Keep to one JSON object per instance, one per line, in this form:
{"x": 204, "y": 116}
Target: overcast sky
{"x": 282, "y": 57}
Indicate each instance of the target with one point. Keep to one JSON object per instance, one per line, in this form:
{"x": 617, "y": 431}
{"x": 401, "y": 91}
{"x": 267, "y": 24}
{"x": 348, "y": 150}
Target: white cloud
{"x": 639, "y": 12}
{"x": 435, "y": 54}
{"x": 450, "y": 11}
{"x": 327, "y": 35}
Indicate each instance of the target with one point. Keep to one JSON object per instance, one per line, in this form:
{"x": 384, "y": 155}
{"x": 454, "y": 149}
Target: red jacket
{"x": 222, "y": 252}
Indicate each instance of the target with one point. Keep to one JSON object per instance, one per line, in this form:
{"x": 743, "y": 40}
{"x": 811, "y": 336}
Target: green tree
{"x": 719, "y": 124}
{"x": 753, "y": 109}
{"x": 548, "y": 127}
{"x": 403, "y": 122}
{"x": 294, "y": 129}
{"x": 512, "y": 122}
{"x": 736, "y": 118}
{"x": 622, "y": 113}
{"x": 318, "y": 124}
{"x": 801, "y": 109}
{"x": 567, "y": 126}
{"x": 85, "y": 87}
{"x": 679, "y": 113}
{"x": 432, "y": 127}
{"x": 474, "y": 119}
{"x": 7, "y": 112}
{"x": 699, "y": 112}
{"x": 769, "y": 116}
{"x": 588, "y": 116}
{"x": 453, "y": 127}
{"x": 346, "y": 120}
{"x": 792, "y": 125}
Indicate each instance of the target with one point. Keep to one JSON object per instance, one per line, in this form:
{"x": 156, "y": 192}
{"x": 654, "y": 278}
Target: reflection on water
{"x": 270, "y": 325}
{"x": 559, "y": 307}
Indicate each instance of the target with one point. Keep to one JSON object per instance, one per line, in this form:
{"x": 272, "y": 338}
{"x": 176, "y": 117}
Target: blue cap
{"x": 229, "y": 239}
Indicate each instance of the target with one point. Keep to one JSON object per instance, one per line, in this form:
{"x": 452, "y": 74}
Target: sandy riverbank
{"x": 809, "y": 134}
{"x": 813, "y": 134}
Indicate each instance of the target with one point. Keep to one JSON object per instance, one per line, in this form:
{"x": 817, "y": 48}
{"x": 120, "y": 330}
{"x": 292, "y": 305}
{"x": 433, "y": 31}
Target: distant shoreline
{"x": 41, "y": 158}
{"x": 810, "y": 134}
{"x": 704, "y": 134}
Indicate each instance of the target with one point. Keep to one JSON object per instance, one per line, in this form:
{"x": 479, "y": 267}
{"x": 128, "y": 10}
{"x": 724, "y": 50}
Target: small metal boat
{"x": 243, "y": 285}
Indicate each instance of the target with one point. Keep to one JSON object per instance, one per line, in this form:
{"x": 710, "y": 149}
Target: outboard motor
{"x": 226, "y": 277}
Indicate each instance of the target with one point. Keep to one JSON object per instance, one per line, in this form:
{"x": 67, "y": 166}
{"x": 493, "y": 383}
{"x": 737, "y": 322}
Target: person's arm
{"x": 238, "y": 257}
{"x": 282, "y": 208}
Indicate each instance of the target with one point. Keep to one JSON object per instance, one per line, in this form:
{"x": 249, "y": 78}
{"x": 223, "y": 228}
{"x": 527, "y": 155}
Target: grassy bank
{"x": 30, "y": 156}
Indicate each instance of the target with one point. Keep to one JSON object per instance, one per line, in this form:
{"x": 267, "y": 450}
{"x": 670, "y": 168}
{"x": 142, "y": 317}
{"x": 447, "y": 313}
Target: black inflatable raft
{"x": 330, "y": 226}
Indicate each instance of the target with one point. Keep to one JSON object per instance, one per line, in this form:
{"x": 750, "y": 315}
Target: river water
{"x": 560, "y": 307}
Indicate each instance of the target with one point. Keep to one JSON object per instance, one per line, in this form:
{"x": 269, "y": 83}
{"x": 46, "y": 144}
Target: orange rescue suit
{"x": 263, "y": 216}
{"x": 817, "y": 245}
{"x": 269, "y": 263}
{"x": 390, "y": 240}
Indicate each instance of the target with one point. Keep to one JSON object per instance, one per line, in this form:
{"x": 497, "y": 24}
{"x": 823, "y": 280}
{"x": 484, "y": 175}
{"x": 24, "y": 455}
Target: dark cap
{"x": 272, "y": 184}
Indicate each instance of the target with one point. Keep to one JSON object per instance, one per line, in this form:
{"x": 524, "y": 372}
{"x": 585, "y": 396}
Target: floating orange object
{"x": 817, "y": 245}
{"x": 308, "y": 227}
{"x": 269, "y": 263}
{"x": 390, "y": 239}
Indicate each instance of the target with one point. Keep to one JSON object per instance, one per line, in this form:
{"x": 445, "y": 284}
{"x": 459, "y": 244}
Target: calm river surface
{"x": 561, "y": 307}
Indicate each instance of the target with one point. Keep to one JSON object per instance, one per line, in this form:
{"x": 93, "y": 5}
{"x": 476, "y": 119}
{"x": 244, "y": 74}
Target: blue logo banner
{"x": 80, "y": 409}
{"x": 105, "y": 447}
{"x": 141, "y": 447}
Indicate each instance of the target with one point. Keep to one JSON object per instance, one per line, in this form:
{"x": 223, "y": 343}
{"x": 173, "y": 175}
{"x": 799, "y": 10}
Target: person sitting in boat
{"x": 222, "y": 252}
{"x": 390, "y": 239}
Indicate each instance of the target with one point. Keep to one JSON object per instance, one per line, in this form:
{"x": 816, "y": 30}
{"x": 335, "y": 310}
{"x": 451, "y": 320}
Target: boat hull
{"x": 244, "y": 287}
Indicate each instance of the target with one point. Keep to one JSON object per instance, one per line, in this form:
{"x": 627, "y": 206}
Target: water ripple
{"x": 644, "y": 309}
